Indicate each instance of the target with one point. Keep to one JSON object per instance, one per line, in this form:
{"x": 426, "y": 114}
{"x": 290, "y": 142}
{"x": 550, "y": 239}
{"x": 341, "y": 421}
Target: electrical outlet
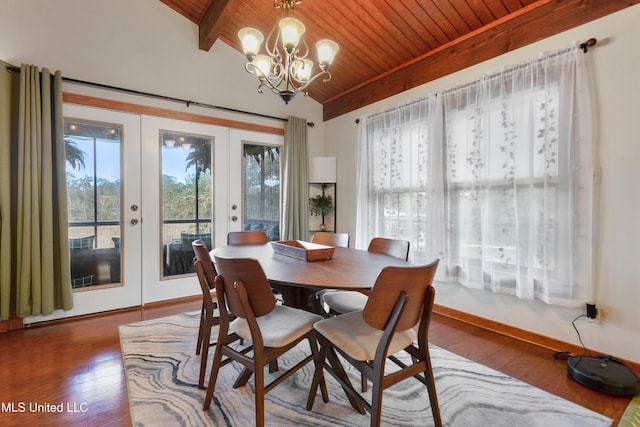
{"x": 592, "y": 311}
{"x": 594, "y": 314}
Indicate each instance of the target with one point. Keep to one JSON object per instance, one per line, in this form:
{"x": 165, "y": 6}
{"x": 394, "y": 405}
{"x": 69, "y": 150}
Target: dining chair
{"x": 331, "y": 239}
{"x": 347, "y": 301}
{"x": 243, "y": 292}
{"x": 206, "y": 273}
{"x": 401, "y": 298}
{"x": 254, "y": 237}
{"x": 392, "y": 247}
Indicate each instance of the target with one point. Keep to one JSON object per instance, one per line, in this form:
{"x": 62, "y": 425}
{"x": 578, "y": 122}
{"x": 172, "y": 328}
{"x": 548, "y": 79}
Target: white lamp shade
{"x": 291, "y": 31}
{"x": 262, "y": 65}
{"x": 302, "y": 69}
{"x": 326, "y": 50}
{"x": 322, "y": 170}
{"x": 251, "y": 40}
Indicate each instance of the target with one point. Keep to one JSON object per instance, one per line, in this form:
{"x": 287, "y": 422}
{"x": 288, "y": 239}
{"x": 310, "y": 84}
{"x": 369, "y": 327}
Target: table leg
{"x": 299, "y": 297}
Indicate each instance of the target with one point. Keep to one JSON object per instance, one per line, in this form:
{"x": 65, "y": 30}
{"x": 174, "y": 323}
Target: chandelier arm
{"x": 290, "y": 79}
{"x": 268, "y": 86}
{"x": 265, "y": 81}
{"x": 271, "y": 81}
{"x": 277, "y": 77}
{"x": 314, "y": 78}
{"x": 306, "y": 47}
{"x": 292, "y": 74}
{"x": 272, "y": 48}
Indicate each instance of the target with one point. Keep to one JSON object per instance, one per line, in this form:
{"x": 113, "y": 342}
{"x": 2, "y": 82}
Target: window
{"x": 398, "y": 168}
{"x": 502, "y": 163}
{"x": 493, "y": 178}
{"x": 187, "y": 198}
{"x": 92, "y": 152}
{"x": 262, "y": 189}
{"x": 401, "y": 182}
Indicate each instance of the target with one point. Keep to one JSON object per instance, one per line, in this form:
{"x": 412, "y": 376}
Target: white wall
{"x": 145, "y": 46}
{"x": 616, "y": 64}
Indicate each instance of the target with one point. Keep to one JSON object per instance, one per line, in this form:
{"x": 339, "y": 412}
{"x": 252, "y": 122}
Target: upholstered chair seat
{"x": 280, "y": 327}
{"x": 357, "y": 338}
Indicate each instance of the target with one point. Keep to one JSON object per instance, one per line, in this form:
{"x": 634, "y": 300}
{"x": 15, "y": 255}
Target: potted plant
{"x": 320, "y": 205}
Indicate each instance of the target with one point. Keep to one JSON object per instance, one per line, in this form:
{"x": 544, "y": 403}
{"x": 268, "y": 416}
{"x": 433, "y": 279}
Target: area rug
{"x": 162, "y": 376}
{"x": 631, "y": 416}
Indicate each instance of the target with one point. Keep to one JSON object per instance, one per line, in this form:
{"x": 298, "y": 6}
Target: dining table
{"x": 299, "y": 280}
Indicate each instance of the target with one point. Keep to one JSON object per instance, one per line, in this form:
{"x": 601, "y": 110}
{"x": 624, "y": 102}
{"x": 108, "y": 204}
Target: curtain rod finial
{"x": 589, "y": 43}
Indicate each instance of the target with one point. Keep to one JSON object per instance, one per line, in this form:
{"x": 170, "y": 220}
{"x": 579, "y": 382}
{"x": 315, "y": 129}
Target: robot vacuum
{"x": 603, "y": 373}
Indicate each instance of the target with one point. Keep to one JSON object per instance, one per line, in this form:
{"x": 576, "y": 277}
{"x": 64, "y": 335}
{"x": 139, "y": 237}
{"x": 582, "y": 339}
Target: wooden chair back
{"x": 331, "y": 239}
{"x": 205, "y": 270}
{"x": 414, "y": 282}
{"x": 250, "y": 273}
{"x": 392, "y": 247}
{"x": 254, "y": 237}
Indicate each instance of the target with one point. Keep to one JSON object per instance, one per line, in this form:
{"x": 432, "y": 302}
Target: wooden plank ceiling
{"x": 388, "y": 46}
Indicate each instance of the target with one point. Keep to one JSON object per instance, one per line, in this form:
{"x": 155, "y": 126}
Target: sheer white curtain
{"x": 519, "y": 181}
{"x": 494, "y": 178}
{"x": 400, "y": 179}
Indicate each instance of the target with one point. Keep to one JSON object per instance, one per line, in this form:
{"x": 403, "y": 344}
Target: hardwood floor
{"x": 76, "y": 366}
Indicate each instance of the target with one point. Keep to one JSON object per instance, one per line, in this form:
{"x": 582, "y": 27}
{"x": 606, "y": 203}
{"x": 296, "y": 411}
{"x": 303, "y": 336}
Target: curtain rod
{"x": 187, "y": 102}
{"x": 584, "y": 46}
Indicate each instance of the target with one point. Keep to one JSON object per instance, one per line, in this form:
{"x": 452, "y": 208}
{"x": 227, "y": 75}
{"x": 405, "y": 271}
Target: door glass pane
{"x": 187, "y": 198}
{"x": 92, "y": 151}
{"x": 262, "y": 189}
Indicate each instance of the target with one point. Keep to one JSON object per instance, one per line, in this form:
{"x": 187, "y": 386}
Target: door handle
{"x": 234, "y": 218}
{"x": 134, "y": 221}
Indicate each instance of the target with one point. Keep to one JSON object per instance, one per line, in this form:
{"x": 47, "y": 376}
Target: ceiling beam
{"x": 213, "y": 21}
{"x": 535, "y": 22}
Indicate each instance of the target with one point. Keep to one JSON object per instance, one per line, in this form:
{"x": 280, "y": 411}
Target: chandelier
{"x": 285, "y": 70}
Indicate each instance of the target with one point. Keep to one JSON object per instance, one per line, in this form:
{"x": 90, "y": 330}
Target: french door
{"x": 186, "y": 170}
{"x": 142, "y": 188}
{"x": 102, "y": 150}
{"x": 211, "y": 180}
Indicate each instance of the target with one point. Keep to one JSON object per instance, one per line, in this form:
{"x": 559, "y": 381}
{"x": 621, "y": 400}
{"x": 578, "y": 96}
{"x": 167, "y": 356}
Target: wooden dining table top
{"x": 348, "y": 269}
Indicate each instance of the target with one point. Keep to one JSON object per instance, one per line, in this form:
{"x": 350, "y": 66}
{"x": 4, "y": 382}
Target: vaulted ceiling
{"x": 388, "y": 46}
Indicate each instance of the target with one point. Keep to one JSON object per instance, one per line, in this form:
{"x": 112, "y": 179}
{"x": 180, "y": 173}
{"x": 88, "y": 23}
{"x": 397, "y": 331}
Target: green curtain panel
{"x": 296, "y": 197}
{"x": 9, "y": 84}
{"x": 39, "y": 278}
